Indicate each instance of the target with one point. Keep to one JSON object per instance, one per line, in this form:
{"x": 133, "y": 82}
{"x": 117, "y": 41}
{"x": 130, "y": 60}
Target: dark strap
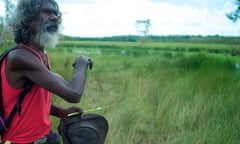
{"x": 17, "y": 108}
{"x": 26, "y": 88}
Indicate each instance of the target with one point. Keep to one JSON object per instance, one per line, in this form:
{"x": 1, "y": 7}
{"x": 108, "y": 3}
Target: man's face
{"x": 47, "y": 25}
{"x": 49, "y": 15}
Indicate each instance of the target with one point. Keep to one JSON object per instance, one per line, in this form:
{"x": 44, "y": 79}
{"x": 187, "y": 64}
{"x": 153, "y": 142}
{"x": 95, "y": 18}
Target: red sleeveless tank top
{"x": 33, "y": 123}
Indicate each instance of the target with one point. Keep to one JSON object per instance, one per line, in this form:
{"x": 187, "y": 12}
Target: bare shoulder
{"x": 20, "y": 59}
{"x": 19, "y": 65}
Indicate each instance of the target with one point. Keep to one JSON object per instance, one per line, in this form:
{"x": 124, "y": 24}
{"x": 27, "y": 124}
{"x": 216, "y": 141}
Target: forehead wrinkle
{"x": 49, "y": 6}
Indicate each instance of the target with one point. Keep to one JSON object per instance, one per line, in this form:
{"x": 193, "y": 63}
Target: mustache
{"x": 49, "y": 27}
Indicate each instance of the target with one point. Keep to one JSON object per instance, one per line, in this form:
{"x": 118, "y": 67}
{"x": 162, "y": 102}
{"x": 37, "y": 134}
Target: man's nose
{"x": 53, "y": 17}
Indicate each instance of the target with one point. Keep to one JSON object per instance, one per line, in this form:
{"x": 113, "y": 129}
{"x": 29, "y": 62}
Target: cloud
{"x": 109, "y": 17}
{"x": 75, "y": 1}
{"x": 218, "y": 4}
{"x": 168, "y": 17}
{"x": 102, "y": 17}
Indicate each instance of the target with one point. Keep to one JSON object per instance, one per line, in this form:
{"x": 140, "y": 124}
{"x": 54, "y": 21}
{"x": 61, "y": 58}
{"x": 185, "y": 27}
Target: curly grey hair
{"x": 24, "y": 14}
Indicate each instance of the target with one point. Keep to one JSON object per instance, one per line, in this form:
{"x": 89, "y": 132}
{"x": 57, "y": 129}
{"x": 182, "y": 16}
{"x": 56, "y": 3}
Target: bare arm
{"x": 22, "y": 64}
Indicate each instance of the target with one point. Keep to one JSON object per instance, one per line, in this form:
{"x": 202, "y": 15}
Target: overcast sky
{"x": 94, "y": 18}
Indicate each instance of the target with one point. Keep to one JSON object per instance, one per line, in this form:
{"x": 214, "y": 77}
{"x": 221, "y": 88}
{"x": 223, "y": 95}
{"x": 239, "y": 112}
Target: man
{"x": 35, "y": 24}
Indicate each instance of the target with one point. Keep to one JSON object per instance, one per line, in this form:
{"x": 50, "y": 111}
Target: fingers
{"x": 83, "y": 61}
{"x": 74, "y": 111}
{"x": 90, "y": 63}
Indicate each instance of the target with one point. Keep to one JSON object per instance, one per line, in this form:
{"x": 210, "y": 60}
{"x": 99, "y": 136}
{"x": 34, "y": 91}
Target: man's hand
{"x": 61, "y": 112}
{"x": 71, "y": 110}
{"x": 83, "y": 61}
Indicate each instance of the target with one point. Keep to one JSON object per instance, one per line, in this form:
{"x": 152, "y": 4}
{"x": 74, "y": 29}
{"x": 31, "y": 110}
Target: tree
{"x": 5, "y": 32}
{"x": 1, "y": 28}
{"x": 143, "y": 27}
{"x": 9, "y": 6}
{"x": 235, "y": 15}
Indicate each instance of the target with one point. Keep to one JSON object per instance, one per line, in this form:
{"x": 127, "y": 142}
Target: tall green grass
{"x": 155, "y": 95}
{"x": 170, "y": 98}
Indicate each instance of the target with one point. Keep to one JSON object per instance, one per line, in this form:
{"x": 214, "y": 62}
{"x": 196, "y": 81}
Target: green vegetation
{"x": 158, "y": 94}
{"x": 155, "y": 38}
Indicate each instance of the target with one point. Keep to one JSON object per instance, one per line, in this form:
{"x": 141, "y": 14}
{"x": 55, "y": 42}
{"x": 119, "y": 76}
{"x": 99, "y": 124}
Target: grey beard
{"x": 47, "y": 39}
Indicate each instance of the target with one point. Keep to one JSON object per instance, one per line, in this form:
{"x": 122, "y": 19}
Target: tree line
{"x": 156, "y": 38}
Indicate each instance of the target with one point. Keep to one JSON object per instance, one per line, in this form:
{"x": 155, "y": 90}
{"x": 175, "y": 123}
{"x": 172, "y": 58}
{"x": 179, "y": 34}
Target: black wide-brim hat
{"x": 89, "y": 129}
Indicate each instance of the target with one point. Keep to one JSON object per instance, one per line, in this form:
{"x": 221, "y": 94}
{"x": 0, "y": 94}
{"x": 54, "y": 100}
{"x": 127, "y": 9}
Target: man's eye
{"x": 49, "y": 12}
{"x": 46, "y": 11}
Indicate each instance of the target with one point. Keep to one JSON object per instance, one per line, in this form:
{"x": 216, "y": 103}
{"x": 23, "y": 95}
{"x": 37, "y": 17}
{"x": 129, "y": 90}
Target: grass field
{"x": 159, "y": 94}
